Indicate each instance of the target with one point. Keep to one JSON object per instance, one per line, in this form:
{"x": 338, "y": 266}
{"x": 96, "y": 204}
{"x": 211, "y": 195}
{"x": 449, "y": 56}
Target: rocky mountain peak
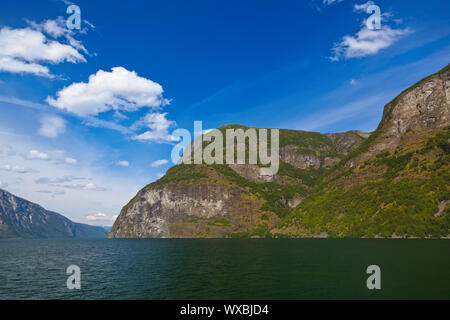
{"x": 392, "y": 182}
{"x": 420, "y": 110}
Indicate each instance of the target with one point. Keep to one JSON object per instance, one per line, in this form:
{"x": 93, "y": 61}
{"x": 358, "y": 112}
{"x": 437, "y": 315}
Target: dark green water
{"x": 225, "y": 269}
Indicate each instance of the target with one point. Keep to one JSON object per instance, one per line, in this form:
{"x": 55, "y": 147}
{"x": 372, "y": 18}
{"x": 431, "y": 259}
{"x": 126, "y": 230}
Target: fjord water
{"x": 225, "y": 269}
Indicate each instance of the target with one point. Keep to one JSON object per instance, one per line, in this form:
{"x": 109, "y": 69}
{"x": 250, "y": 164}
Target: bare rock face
{"x": 253, "y": 172}
{"x": 185, "y": 211}
{"x": 290, "y": 155}
{"x": 292, "y": 203}
{"x": 169, "y": 204}
{"x": 422, "y": 110}
{"x": 340, "y": 144}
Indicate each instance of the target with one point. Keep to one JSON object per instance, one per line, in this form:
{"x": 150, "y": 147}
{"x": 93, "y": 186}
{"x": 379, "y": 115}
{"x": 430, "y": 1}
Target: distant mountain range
{"x": 20, "y": 218}
{"x": 393, "y": 182}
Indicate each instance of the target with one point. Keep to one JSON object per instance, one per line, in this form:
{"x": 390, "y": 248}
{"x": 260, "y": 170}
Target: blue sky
{"x": 87, "y": 115}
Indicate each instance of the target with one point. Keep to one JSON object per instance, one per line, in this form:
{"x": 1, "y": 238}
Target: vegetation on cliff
{"x": 391, "y": 183}
{"x": 407, "y": 197}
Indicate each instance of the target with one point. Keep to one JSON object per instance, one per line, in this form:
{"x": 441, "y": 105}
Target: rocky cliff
{"x": 236, "y": 200}
{"x": 396, "y": 184}
{"x": 20, "y": 218}
{"x": 391, "y": 183}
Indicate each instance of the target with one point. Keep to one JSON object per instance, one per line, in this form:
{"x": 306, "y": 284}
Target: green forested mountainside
{"x": 294, "y": 181}
{"x": 254, "y": 206}
{"x": 399, "y": 193}
{"x": 391, "y": 183}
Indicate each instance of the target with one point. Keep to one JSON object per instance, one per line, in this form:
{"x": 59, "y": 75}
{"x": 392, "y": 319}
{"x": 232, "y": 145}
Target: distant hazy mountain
{"x": 20, "y": 218}
{"x": 106, "y": 228}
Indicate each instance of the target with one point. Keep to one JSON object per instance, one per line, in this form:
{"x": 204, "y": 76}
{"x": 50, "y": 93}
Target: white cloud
{"x": 12, "y": 65}
{"x": 109, "y": 192}
{"x": 37, "y": 155}
{"x": 69, "y": 182}
{"x": 80, "y": 186}
{"x": 353, "y": 82}
{"x": 52, "y": 126}
{"x": 74, "y": 186}
{"x": 53, "y": 156}
{"x": 362, "y": 7}
{"x": 67, "y": 2}
{"x": 3, "y": 184}
{"x": 24, "y": 51}
{"x": 123, "y": 163}
{"x": 367, "y": 42}
{"x": 52, "y": 193}
{"x": 17, "y": 169}
{"x": 96, "y": 217}
{"x": 89, "y": 24}
{"x": 100, "y": 123}
{"x": 119, "y": 89}
{"x": 101, "y": 217}
{"x": 159, "y": 129}
{"x": 328, "y": 2}
{"x": 12, "y": 134}
{"x": 72, "y": 161}
{"x": 24, "y": 103}
{"x": 57, "y": 28}
{"x": 55, "y": 181}
{"x": 159, "y": 163}
{"x": 88, "y": 186}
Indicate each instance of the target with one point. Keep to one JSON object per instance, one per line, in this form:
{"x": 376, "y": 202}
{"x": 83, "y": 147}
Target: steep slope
{"x": 233, "y": 201}
{"x": 396, "y": 184}
{"x": 391, "y": 183}
{"x": 20, "y": 218}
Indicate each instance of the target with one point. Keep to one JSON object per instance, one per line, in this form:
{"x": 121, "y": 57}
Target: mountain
{"x": 221, "y": 200}
{"x": 393, "y": 182}
{"x": 396, "y": 184}
{"x": 20, "y": 218}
